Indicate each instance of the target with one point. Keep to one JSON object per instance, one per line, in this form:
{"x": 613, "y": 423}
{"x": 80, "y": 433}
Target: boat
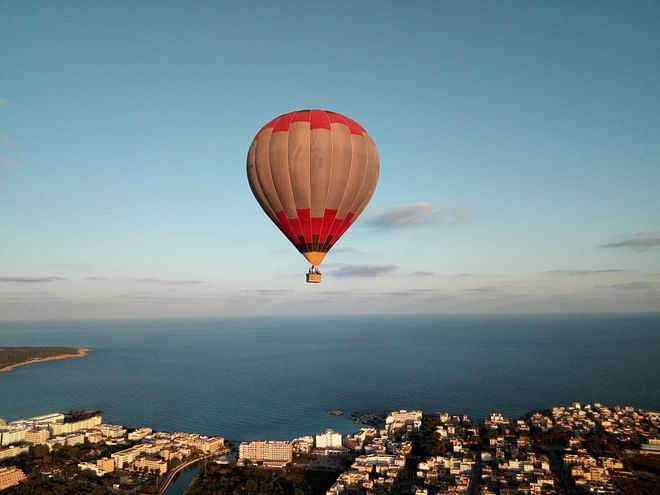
{"x": 336, "y": 412}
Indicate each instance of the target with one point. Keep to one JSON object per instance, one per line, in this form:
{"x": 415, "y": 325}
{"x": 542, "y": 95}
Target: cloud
{"x": 408, "y": 293}
{"x": 267, "y": 292}
{"x": 643, "y": 240}
{"x": 363, "y": 270}
{"x": 96, "y": 278}
{"x": 476, "y": 275}
{"x": 4, "y": 102}
{"x": 418, "y": 214}
{"x": 577, "y": 273}
{"x": 482, "y": 290}
{"x": 422, "y": 274}
{"x": 632, "y": 286}
{"x": 30, "y": 280}
{"x": 166, "y": 282}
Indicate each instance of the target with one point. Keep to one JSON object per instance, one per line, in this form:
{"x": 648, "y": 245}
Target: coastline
{"x": 82, "y": 352}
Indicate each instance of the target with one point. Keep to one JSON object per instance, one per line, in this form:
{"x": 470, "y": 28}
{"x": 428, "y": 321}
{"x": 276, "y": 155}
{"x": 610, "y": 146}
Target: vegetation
{"x": 426, "y": 442}
{"x": 635, "y": 485}
{"x": 47, "y": 486}
{"x": 555, "y": 436}
{"x": 10, "y": 356}
{"x": 223, "y": 480}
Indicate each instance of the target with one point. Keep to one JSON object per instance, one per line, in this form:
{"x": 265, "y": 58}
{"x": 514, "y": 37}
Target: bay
{"x": 246, "y": 378}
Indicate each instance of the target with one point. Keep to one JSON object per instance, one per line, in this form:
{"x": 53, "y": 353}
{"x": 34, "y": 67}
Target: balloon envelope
{"x": 313, "y": 173}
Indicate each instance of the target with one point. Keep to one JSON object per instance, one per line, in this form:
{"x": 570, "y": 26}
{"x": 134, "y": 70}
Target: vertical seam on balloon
{"x": 321, "y": 242}
{"x": 364, "y": 176}
{"x": 270, "y": 169}
{"x": 343, "y": 194}
{"x": 261, "y": 185}
{"x": 288, "y": 167}
{"x": 309, "y": 162}
{"x": 363, "y": 204}
{"x": 257, "y": 183}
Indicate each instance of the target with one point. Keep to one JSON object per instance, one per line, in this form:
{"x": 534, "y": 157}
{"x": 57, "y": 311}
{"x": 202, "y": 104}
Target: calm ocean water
{"x": 279, "y": 377}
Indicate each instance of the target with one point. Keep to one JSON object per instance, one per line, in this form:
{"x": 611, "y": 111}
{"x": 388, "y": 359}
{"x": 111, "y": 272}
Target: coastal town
{"x": 581, "y": 448}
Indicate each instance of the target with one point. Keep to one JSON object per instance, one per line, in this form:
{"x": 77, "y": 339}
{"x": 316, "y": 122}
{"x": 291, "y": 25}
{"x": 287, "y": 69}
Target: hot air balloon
{"x": 313, "y": 173}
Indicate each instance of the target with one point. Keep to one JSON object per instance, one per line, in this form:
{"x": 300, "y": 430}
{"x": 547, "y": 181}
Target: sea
{"x": 278, "y": 378}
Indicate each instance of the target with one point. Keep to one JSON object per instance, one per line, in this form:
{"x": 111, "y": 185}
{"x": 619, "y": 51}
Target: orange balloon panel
{"x": 313, "y": 172}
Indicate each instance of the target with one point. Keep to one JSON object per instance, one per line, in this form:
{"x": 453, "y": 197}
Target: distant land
{"x": 12, "y": 357}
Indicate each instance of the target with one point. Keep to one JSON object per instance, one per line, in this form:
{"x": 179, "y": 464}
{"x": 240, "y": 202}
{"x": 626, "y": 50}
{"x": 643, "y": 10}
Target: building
{"x": 13, "y": 451}
{"x": 91, "y": 467}
{"x": 267, "y": 451}
{"x": 47, "y": 419}
{"x": 208, "y": 444}
{"x": 84, "y": 424}
{"x": 55, "y": 442}
{"x": 93, "y": 436}
{"x": 127, "y": 456}
{"x": 10, "y": 476}
{"x": 139, "y": 434}
{"x": 36, "y": 437}
{"x": 75, "y": 439}
{"x": 169, "y": 453}
{"x": 113, "y": 431}
{"x": 329, "y": 439}
{"x": 153, "y": 464}
{"x": 106, "y": 464}
{"x": 12, "y": 434}
{"x": 403, "y": 421}
{"x": 303, "y": 445}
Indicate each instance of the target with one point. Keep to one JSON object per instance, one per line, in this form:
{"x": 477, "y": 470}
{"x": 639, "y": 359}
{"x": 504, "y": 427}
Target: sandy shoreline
{"x": 82, "y": 352}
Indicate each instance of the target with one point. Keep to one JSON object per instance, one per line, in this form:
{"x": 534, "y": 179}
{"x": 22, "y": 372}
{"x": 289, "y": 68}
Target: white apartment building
{"x": 403, "y": 420}
{"x": 84, "y": 424}
{"x": 329, "y": 439}
{"x": 266, "y": 451}
{"x": 11, "y": 434}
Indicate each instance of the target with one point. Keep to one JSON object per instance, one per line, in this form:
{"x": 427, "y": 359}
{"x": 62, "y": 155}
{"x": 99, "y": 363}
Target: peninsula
{"x": 12, "y": 357}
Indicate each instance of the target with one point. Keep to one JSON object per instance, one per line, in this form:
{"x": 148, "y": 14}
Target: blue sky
{"x": 519, "y": 145}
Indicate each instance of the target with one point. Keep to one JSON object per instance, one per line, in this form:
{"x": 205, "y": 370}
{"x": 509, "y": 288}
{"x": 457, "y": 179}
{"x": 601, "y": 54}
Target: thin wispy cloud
{"x": 641, "y": 241}
{"x": 422, "y": 274}
{"x": 416, "y": 215}
{"x": 30, "y": 280}
{"x": 96, "y": 278}
{"x": 157, "y": 281}
{"x": 579, "y": 273}
{"x": 267, "y": 292}
{"x": 4, "y": 102}
{"x": 363, "y": 270}
{"x": 481, "y": 290}
{"x": 476, "y": 275}
{"x": 407, "y": 293}
{"x": 633, "y": 286}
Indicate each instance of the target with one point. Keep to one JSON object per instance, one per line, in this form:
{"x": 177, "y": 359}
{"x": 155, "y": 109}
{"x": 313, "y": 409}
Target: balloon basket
{"x": 313, "y": 278}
